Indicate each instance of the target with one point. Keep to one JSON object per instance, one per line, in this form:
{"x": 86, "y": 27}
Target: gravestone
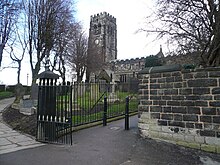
{"x": 26, "y": 107}
{"x": 112, "y": 96}
{"x": 19, "y": 93}
{"x": 34, "y": 94}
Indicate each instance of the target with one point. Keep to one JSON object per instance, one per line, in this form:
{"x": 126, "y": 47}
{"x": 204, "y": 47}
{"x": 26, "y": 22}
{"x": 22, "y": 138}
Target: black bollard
{"x": 127, "y": 114}
{"x": 105, "y": 112}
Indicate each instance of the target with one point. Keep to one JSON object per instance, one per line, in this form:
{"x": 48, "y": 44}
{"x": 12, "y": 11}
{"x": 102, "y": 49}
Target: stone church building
{"x": 103, "y": 36}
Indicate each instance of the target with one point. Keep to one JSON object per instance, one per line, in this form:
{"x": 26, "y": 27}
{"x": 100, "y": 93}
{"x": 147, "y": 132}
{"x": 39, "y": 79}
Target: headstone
{"x": 19, "y": 93}
{"x": 34, "y": 91}
{"x": 26, "y": 107}
{"x": 112, "y": 96}
{"x": 94, "y": 90}
{"x": 34, "y": 94}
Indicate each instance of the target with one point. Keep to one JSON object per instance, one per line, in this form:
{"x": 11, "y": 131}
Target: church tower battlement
{"x": 103, "y": 34}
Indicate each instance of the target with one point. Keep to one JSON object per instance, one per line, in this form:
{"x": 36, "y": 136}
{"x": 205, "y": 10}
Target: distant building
{"x": 103, "y": 33}
{"x": 160, "y": 53}
{"x": 103, "y": 36}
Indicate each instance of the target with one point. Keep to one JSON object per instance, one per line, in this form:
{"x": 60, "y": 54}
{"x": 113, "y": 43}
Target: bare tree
{"x": 193, "y": 25}
{"x": 18, "y": 48}
{"x": 77, "y": 50}
{"x": 44, "y": 18}
{"x": 8, "y": 17}
{"x": 60, "y": 49}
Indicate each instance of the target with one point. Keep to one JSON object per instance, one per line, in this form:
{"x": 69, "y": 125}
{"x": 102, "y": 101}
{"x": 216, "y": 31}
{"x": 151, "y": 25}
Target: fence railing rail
{"x": 61, "y": 107}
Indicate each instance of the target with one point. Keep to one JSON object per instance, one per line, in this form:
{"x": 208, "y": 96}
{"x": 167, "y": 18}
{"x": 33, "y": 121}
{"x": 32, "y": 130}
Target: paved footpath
{"x": 110, "y": 145}
{"x": 11, "y": 140}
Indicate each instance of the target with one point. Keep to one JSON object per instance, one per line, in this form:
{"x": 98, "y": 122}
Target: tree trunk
{"x": 1, "y": 53}
{"x": 19, "y": 71}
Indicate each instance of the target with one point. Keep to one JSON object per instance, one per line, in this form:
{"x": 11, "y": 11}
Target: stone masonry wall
{"x": 182, "y": 107}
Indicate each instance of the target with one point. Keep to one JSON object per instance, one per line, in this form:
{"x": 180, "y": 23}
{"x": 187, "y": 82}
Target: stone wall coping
{"x": 161, "y": 69}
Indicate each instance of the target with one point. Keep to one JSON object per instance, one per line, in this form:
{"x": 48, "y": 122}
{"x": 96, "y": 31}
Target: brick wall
{"x": 182, "y": 107}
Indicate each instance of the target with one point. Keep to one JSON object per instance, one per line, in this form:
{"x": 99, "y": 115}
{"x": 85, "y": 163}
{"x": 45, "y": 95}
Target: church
{"x": 102, "y": 52}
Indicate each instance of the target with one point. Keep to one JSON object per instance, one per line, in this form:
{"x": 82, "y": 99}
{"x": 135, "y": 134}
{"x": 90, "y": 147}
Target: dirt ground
{"x": 17, "y": 121}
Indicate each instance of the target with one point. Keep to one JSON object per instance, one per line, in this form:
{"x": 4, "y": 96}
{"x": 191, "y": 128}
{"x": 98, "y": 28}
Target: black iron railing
{"x": 62, "y": 107}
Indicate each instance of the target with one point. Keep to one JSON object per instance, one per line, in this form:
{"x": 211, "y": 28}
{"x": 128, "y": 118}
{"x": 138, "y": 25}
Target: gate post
{"x": 127, "y": 114}
{"x": 47, "y": 98}
{"x": 46, "y": 110}
{"x": 105, "y": 112}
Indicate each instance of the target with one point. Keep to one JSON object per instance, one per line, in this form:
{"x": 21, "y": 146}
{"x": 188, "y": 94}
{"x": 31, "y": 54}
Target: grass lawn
{"x": 91, "y": 107}
{"x": 6, "y": 94}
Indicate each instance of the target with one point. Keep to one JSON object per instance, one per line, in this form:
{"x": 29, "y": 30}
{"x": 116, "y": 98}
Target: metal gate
{"x": 54, "y": 123}
{"x": 62, "y": 107}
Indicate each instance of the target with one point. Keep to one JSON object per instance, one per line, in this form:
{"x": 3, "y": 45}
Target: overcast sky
{"x": 130, "y": 16}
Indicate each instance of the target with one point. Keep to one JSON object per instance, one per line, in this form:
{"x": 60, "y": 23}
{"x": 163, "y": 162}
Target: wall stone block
{"x": 177, "y": 124}
{"x": 208, "y": 133}
{"x": 190, "y": 125}
{"x": 190, "y": 117}
{"x": 216, "y": 91}
{"x": 208, "y": 111}
{"x": 167, "y": 85}
{"x": 173, "y": 103}
{"x": 188, "y": 76}
{"x": 181, "y": 110}
{"x": 201, "y": 91}
{"x": 216, "y": 119}
{"x": 193, "y": 110}
{"x": 207, "y": 119}
{"x": 201, "y": 103}
{"x": 201, "y": 75}
{"x": 202, "y": 83}
{"x": 182, "y": 107}
{"x": 187, "y": 103}
{"x": 163, "y": 122}
{"x": 214, "y": 74}
{"x": 198, "y": 125}
{"x": 177, "y": 117}
{"x": 185, "y": 91}
{"x": 217, "y": 97}
{"x": 167, "y": 116}
{"x": 214, "y": 103}
{"x": 178, "y": 85}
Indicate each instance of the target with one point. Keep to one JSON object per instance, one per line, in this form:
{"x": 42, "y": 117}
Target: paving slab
{"x": 110, "y": 145}
{"x": 11, "y": 140}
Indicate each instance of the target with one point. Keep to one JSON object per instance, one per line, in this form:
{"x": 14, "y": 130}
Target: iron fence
{"x": 61, "y": 107}
{"x": 88, "y": 102}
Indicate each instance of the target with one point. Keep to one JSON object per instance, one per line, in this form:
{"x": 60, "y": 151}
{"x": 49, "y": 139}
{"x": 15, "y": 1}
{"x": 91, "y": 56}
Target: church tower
{"x": 103, "y": 35}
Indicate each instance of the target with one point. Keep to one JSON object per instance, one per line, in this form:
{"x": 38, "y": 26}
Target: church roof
{"x": 160, "y": 53}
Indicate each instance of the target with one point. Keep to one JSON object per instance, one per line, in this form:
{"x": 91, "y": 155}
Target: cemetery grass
{"x": 6, "y": 94}
{"x": 19, "y": 122}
